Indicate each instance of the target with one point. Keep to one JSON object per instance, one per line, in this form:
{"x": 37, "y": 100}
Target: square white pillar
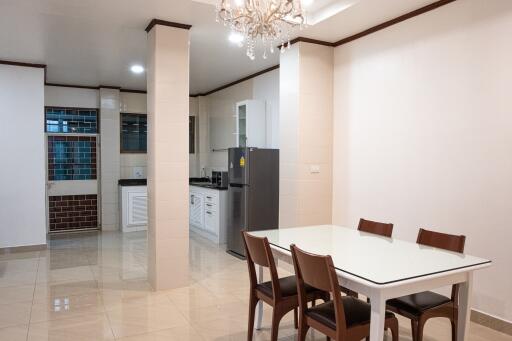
{"x": 110, "y": 157}
{"x": 168, "y": 157}
{"x": 305, "y": 97}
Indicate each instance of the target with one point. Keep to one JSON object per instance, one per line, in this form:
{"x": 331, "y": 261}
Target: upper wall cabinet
{"x": 246, "y": 128}
{"x": 251, "y": 124}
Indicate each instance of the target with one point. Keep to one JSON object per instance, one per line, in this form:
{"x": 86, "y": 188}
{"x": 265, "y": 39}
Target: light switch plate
{"x": 314, "y": 169}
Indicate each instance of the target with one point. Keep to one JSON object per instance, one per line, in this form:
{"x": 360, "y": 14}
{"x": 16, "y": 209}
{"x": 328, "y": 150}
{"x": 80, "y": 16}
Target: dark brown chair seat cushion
{"x": 417, "y": 303}
{"x": 356, "y": 312}
{"x": 288, "y": 287}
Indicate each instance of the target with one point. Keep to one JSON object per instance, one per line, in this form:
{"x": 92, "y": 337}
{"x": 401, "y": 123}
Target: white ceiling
{"x": 93, "y": 42}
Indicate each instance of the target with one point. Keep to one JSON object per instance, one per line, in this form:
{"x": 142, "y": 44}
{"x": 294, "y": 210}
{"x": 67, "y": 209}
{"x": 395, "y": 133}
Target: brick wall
{"x": 71, "y": 212}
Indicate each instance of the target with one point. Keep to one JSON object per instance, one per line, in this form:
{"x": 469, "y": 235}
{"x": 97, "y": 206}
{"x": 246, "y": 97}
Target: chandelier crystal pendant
{"x": 270, "y": 21}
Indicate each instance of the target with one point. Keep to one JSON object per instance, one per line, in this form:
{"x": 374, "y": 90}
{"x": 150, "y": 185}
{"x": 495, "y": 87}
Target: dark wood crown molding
{"x": 109, "y": 87}
{"x": 154, "y": 22}
{"x": 133, "y": 91}
{"x": 8, "y": 62}
{"x": 373, "y": 29}
{"x": 237, "y": 81}
{"x": 72, "y": 86}
{"x": 307, "y": 40}
{"x": 394, "y": 21}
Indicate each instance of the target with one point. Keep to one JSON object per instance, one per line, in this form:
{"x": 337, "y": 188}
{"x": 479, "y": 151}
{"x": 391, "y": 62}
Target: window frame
{"x": 192, "y": 148}
{"x": 121, "y": 149}
{"x": 97, "y": 110}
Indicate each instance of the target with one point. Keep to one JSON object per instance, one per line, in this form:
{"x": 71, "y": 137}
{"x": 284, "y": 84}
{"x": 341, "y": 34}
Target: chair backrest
{"x": 258, "y": 252}
{"x": 375, "y": 227}
{"x": 440, "y": 240}
{"x": 445, "y": 241}
{"x": 319, "y": 272}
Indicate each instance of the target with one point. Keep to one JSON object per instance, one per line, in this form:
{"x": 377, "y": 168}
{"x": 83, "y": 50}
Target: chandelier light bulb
{"x": 236, "y": 38}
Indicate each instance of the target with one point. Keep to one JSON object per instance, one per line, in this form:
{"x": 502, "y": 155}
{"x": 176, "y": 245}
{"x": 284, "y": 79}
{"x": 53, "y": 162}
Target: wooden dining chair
{"x": 382, "y": 229}
{"x": 344, "y": 318}
{"x": 374, "y": 227}
{"x": 280, "y": 293}
{"x": 425, "y": 305}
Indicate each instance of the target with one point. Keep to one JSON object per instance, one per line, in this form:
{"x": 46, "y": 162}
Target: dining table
{"x": 380, "y": 268}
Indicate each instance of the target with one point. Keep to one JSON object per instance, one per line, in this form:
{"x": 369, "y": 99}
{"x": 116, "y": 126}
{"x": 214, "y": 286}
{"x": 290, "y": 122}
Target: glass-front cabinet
{"x": 251, "y": 124}
{"x": 241, "y": 122}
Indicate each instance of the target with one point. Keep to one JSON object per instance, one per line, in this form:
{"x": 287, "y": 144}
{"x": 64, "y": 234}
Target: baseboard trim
{"x": 27, "y": 248}
{"x": 491, "y": 322}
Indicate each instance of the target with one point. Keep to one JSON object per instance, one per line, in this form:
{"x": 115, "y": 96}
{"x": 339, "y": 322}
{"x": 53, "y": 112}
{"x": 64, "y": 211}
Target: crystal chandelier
{"x": 271, "y": 21}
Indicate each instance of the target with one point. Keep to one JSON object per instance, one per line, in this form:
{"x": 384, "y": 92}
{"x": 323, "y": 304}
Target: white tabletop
{"x": 377, "y": 259}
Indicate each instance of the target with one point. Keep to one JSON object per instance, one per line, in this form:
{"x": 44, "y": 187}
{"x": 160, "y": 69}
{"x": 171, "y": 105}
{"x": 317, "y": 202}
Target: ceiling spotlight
{"x": 236, "y": 38}
{"x": 137, "y": 69}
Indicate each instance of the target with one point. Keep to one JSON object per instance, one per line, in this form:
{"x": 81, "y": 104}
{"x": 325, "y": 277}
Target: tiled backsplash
{"x": 73, "y": 212}
{"x": 71, "y": 158}
{"x": 71, "y": 120}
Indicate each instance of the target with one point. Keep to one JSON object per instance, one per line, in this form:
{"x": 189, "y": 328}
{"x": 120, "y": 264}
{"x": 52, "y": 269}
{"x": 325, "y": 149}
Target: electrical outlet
{"x": 314, "y": 169}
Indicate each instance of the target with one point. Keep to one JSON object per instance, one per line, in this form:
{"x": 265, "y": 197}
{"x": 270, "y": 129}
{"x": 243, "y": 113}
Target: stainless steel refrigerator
{"x": 253, "y": 194}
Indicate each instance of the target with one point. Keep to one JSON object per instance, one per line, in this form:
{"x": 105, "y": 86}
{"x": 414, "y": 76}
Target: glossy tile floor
{"x": 93, "y": 287}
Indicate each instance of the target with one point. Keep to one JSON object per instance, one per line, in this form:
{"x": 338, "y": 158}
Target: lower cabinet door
{"x": 196, "y": 210}
{"x": 210, "y": 221}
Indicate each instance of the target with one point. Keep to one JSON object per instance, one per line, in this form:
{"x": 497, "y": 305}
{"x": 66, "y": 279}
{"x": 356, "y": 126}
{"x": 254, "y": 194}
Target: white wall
{"x": 58, "y": 96}
{"x": 22, "y": 174}
{"x": 423, "y": 133}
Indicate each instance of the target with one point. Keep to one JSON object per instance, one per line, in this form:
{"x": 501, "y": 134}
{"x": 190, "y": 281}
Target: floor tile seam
{"x": 33, "y": 296}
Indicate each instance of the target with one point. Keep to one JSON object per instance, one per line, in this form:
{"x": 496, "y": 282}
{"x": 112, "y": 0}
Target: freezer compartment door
{"x": 238, "y": 164}
{"x": 237, "y": 218}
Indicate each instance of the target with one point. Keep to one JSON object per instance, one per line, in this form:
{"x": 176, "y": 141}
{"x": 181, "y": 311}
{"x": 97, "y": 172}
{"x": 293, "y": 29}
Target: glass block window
{"x": 134, "y": 133}
{"x": 71, "y": 120}
{"x": 71, "y": 158}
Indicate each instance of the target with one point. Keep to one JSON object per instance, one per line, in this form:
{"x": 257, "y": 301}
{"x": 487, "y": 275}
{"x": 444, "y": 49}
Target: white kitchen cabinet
{"x": 196, "y": 208}
{"x": 133, "y": 208}
{"x": 251, "y": 124}
{"x": 244, "y": 124}
{"x": 208, "y": 213}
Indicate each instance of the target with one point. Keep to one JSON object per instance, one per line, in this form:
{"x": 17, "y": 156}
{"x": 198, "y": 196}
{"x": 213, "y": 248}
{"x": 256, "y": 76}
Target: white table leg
{"x": 465, "y": 290}
{"x": 260, "y": 303}
{"x": 378, "y": 317}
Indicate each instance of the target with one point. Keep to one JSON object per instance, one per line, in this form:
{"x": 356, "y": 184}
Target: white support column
{"x": 168, "y": 163}
{"x": 110, "y": 169}
{"x": 305, "y": 121}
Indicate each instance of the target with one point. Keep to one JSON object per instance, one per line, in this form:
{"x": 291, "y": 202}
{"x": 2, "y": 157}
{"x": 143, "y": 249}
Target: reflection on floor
{"x": 93, "y": 287}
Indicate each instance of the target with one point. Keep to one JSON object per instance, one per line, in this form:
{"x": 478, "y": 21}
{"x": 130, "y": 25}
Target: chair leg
{"x": 454, "y": 329}
{"x": 276, "y": 319}
{"x": 394, "y": 330}
{"x": 303, "y": 329}
{"x": 295, "y": 319}
{"x": 253, "y": 301}
{"x": 421, "y": 324}
{"x": 414, "y": 330}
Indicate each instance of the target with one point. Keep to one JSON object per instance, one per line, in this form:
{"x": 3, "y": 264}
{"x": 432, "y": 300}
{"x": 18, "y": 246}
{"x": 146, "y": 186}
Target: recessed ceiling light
{"x": 236, "y": 38}
{"x": 137, "y": 69}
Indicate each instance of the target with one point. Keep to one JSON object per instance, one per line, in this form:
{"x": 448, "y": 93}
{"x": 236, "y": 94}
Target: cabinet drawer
{"x": 210, "y": 206}
{"x": 211, "y": 198}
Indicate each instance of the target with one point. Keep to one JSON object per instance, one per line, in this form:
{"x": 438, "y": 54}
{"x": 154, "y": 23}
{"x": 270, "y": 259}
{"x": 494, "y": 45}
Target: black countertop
{"x": 143, "y": 182}
{"x": 207, "y": 185}
{"x": 132, "y": 182}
